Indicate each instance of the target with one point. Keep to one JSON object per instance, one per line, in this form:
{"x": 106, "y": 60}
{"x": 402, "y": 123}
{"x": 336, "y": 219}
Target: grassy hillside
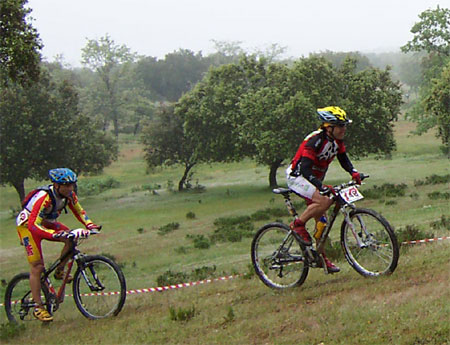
{"x": 410, "y": 307}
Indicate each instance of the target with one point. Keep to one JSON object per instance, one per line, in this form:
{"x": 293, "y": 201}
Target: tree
{"x": 372, "y": 100}
{"x": 41, "y": 128}
{"x": 437, "y": 105}
{"x": 19, "y": 44}
{"x": 211, "y": 110}
{"x": 165, "y": 143}
{"x": 176, "y": 74}
{"x": 110, "y": 62}
{"x": 431, "y": 33}
{"x": 264, "y": 110}
{"x": 338, "y": 58}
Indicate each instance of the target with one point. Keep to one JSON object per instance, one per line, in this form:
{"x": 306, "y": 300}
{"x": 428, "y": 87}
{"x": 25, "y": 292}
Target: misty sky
{"x": 155, "y": 28}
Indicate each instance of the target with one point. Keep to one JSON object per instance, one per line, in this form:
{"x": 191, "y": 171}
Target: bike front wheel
{"x": 278, "y": 258}
{"x": 99, "y": 287}
{"x": 369, "y": 243}
{"x": 19, "y": 304}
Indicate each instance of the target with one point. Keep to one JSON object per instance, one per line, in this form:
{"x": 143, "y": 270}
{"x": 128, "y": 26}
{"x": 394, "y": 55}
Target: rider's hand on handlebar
{"x": 92, "y": 226}
{"x": 327, "y": 189}
{"x": 356, "y": 176}
{"x": 78, "y": 233}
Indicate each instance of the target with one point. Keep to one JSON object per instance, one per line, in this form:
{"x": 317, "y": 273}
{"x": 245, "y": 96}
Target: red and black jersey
{"x": 315, "y": 154}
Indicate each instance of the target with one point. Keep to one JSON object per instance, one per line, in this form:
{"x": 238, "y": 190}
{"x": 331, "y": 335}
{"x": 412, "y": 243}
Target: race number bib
{"x": 22, "y": 217}
{"x": 351, "y": 194}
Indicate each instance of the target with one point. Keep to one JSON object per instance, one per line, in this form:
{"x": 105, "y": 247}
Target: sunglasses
{"x": 342, "y": 125}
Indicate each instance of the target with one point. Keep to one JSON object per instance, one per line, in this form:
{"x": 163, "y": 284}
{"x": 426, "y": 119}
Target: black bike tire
{"x": 303, "y": 274}
{"x": 9, "y": 292}
{"x": 78, "y": 276}
{"x": 395, "y": 247}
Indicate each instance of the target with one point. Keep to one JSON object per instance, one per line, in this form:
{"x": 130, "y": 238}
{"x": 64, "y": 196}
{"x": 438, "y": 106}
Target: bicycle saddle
{"x": 284, "y": 191}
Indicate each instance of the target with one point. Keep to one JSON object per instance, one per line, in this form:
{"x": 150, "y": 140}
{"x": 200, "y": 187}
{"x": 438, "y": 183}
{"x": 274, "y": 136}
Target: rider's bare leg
{"x": 36, "y": 269}
{"x": 318, "y": 206}
{"x": 63, "y": 252}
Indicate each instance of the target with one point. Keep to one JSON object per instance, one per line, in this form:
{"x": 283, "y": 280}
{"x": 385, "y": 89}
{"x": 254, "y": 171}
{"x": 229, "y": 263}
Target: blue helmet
{"x": 62, "y": 175}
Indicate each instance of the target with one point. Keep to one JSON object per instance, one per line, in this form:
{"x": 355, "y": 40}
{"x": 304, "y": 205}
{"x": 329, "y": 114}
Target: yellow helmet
{"x": 333, "y": 115}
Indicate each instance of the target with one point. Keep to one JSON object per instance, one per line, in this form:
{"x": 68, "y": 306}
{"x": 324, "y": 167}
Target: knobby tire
{"x": 380, "y": 253}
{"x": 278, "y": 267}
{"x": 18, "y": 291}
{"x": 108, "y": 294}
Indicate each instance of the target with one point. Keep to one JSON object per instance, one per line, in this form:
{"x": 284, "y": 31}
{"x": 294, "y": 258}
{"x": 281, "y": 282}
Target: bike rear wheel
{"x": 99, "y": 287}
{"x": 374, "y": 250}
{"x": 19, "y": 304}
{"x": 278, "y": 258}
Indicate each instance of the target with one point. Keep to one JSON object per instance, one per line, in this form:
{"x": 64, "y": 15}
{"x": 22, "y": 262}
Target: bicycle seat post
{"x": 290, "y": 206}
{"x": 287, "y": 200}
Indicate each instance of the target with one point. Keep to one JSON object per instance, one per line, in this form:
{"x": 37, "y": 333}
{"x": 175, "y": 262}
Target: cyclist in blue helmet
{"x": 38, "y": 221}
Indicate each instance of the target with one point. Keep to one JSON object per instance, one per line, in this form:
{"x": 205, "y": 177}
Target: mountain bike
{"x": 99, "y": 287}
{"x": 367, "y": 239}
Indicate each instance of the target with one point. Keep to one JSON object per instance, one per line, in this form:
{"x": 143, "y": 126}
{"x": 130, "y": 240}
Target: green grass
{"x": 406, "y": 308}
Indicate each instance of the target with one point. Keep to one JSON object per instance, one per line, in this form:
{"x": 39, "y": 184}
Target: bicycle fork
{"x": 358, "y": 237}
{"x": 97, "y": 286}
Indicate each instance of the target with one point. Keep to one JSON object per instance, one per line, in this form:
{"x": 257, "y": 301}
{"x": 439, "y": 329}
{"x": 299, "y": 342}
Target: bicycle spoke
{"x": 99, "y": 289}
{"x": 278, "y": 257}
{"x": 375, "y": 255}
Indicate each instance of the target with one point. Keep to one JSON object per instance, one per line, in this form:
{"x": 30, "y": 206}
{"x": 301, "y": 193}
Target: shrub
{"x": 230, "y": 315}
{"x": 233, "y": 233}
{"x": 232, "y": 229}
{"x": 200, "y": 241}
{"x": 439, "y": 195}
{"x": 444, "y": 222}
{"x": 170, "y": 186}
{"x": 182, "y": 314}
{"x": 171, "y": 278}
{"x": 385, "y": 190}
{"x": 97, "y": 186}
{"x": 412, "y": 233}
{"x": 181, "y": 250}
{"x": 433, "y": 179}
{"x": 146, "y": 187}
{"x": 203, "y": 273}
{"x": 190, "y": 215}
{"x": 269, "y": 212}
{"x": 165, "y": 229}
{"x": 229, "y": 221}
{"x": 260, "y": 215}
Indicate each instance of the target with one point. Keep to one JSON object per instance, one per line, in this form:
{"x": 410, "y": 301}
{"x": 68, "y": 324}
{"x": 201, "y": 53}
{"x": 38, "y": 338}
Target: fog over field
{"x": 156, "y": 27}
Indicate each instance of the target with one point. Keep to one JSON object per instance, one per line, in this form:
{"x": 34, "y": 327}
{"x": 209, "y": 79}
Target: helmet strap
{"x": 56, "y": 187}
{"x": 330, "y": 134}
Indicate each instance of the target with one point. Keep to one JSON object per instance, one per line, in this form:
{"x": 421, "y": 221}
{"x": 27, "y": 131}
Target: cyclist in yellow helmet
{"x": 309, "y": 166}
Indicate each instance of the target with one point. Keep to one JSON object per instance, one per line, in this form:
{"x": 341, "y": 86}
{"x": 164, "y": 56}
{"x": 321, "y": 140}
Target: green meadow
{"x": 159, "y": 235}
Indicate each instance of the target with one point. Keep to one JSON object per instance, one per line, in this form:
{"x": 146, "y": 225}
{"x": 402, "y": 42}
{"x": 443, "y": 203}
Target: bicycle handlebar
{"x": 336, "y": 189}
{"x": 69, "y": 235}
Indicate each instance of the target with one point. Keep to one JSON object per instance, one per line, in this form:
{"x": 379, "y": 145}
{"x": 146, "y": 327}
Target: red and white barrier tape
{"x": 182, "y": 285}
{"x": 155, "y": 289}
{"x": 162, "y": 288}
{"x": 427, "y": 240}
{"x": 206, "y": 281}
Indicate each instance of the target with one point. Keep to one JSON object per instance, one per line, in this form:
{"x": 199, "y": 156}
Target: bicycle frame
{"x": 59, "y": 295}
{"x": 339, "y": 205}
